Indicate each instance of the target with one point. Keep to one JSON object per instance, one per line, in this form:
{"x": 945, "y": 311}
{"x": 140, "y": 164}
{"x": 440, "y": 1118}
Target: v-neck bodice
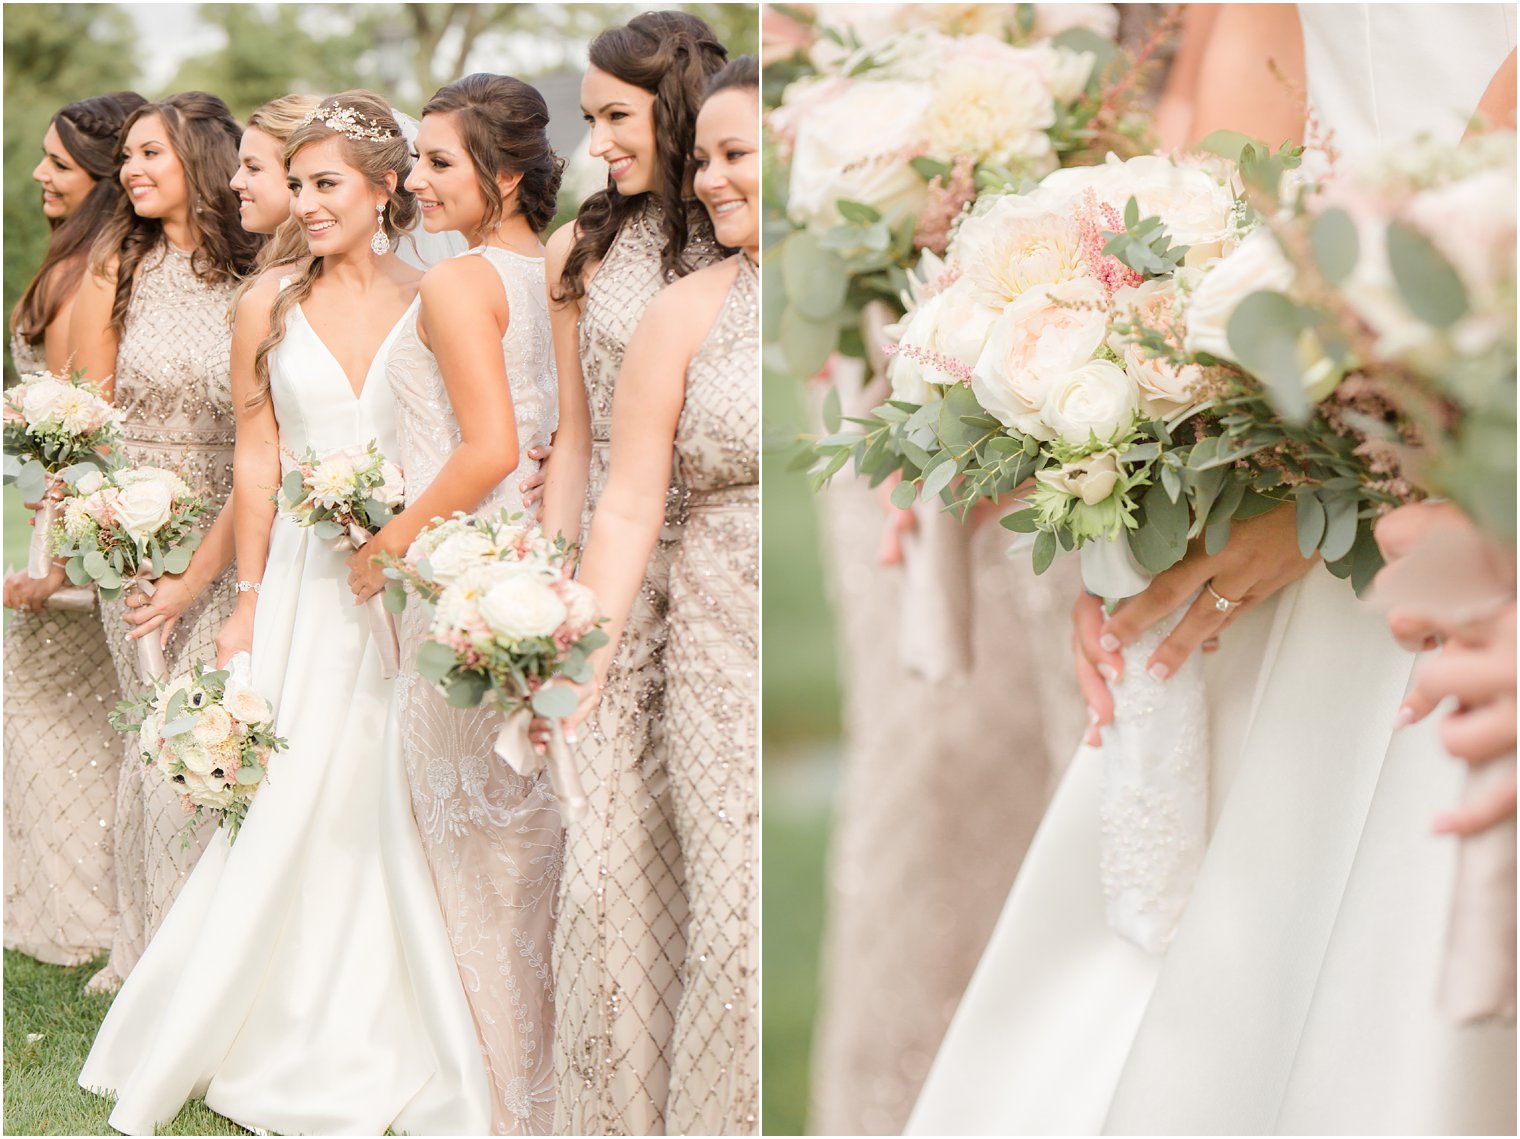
{"x": 314, "y": 402}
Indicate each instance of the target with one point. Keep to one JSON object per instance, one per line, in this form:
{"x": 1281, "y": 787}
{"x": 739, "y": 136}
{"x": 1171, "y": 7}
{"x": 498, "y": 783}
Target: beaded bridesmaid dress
{"x": 172, "y": 369}
{"x": 62, "y": 760}
{"x": 492, "y": 837}
{"x": 711, "y": 723}
{"x": 620, "y": 938}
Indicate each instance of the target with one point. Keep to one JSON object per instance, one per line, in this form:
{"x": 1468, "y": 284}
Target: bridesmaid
{"x": 688, "y": 399}
{"x": 61, "y": 756}
{"x": 620, "y": 940}
{"x": 475, "y": 389}
{"x": 151, "y": 322}
{"x": 264, "y": 207}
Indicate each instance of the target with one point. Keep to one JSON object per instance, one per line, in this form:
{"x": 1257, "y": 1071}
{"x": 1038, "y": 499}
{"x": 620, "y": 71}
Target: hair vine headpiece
{"x": 350, "y": 123}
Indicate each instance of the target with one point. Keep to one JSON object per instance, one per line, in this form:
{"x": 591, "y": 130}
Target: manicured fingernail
{"x": 1108, "y": 643}
{"x": 1109, "y": 672}
{"x": 1092, "y": 716}
{"x": 1403, "y": 718}
{"x": 1159, "y": 671}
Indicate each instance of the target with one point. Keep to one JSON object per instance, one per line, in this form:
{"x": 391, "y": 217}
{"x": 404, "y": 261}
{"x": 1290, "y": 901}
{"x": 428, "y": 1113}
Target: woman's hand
{"x": 1259, "y": 559}
{"x": 171, "y": 597}
{"x": 236, "y": 634}
{"x": 588, "y": 697}
{"x": 29, "y": 594}
{"x": 533, "y": 486}
{"x": 366, "y": 576}
{"x": 1097, "y": 667}
{"x": 896, "y": 523}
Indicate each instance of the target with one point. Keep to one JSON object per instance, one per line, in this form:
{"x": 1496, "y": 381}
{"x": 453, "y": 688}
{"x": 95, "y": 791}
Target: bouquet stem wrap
{"x": 72, "y": 599}
{"x": 382, "y": 625}
{"x": 39, "y": 558}
{"x": 1478, "y": 970}
{"x": 151, "y": 665}
{"x": 514, "y": 746}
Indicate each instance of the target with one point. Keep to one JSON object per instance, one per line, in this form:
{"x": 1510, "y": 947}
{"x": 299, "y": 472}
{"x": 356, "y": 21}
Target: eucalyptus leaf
{"x": 1161, "y": 539}
{"x": 76, "y": 572}
{"x": 1332, "y": 235}
{"x": 831, "y": 411}
{"x": 1310, "y": 522}
{"x": 1263, "y": 334}
{"x": 1426, "y": 280}
{"x": 1340, "y": 527}
{"x": 434, "y": 661}
{"x": 327, "y": 530}
{"x": 466, "y": 690}
{"x": 249, "y": 773}
{"x": 554, "y": 701}
{"x": 176, "y": 560}
{"x": 815, "y": 278}
{"x": 903, "y": 494}
{"x": 1044, "y": 551}
{"x": 31, "y": 482}
{"x": 857, "y": 212}
{"x": 394, "y": 598}
{"x": 806, "y": 343}
{"x": 95, "y": 564}
{"x": 938, "y": 477}
{"x": 177, "y": 727}
{"x": 1021, "y": 521}
{"x": 292, "y": 488}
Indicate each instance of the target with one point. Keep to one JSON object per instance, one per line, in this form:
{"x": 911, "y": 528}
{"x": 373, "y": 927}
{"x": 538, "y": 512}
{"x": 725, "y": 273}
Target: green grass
{"x": 50, "y": 1022}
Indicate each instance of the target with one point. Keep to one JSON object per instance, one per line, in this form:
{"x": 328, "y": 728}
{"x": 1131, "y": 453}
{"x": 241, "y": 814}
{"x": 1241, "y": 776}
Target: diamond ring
{"x": 1223, "y": 604}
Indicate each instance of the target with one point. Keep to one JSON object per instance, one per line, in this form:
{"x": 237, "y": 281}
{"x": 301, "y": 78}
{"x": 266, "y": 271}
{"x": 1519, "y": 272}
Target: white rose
{"x": 89, "y": 482}
{"x": 1195, "y": 207}
{"x": 1097, "y": 399}
{"x": 459, "y": 552}
{"x": 392, "y": 488}
{"x": 1091, "y": 479}
{"x": 156, "y": 476}
{"x": 1038, "y": 341}
{"x": 1063, "y": 72}
{"x": 248, "y": 706}
{"x": 213, "y": 726}
{"x": 41, "y": 398}
{"x": 1050, "y": 20}
{"x": 1256, "y": 266}
{"x": 142, "y": 508}
{"x": 192, "y": 753}
{"x": 522, "y": 606}
{"x": 856, "y": 148}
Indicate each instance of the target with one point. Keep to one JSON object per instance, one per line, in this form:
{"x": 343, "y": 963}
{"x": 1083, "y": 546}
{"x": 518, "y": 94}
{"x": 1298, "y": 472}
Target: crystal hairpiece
{"x": 350, "y": 123}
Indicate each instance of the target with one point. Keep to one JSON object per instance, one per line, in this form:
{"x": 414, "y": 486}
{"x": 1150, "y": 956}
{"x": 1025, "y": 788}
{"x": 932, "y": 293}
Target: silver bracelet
{"x": 246, "y": 586}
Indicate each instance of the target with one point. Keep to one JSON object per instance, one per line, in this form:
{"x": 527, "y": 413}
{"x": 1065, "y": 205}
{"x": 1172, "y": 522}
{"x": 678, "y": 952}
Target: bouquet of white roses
{"x": 210, "y": 735}
{"x": 345, "y": 496}
{"x": 506, "y": 620}
{"x": 53, "y": 423}
{"x": 893, "y": 131}
{"x": 123, "y": 528}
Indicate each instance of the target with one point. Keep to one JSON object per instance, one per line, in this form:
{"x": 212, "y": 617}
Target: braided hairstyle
{"x": 88, "y": 131}
{"x": 671, "y": 55}
{"x": 371, "y": 157}
{"x": 502, "y": 121}
{"x": 204, "y": 137}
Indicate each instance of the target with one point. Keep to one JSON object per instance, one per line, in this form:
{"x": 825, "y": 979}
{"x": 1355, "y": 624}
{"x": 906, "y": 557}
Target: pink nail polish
{"x": 1092, "y": 717}
{"x": 1403, "y": 718}
{"x": 1108, "y": 672}
{"x": 1159, "y": 671}
{"x": 1108, "y": 643}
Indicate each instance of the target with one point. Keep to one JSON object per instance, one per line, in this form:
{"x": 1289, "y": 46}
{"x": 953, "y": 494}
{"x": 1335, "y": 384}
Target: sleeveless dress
{"x": 1299, "y": 993}
{"x": 712, "y": 698}
{"x": 62, "y": 761}
{"x": 493, "y": 838}
{"x": 303, "y": 982}
{"x": 620, "y": 939}
{"x": 172, "y": 381}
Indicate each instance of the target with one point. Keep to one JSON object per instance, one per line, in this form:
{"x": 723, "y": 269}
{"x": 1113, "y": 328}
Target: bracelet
{"x": 247, "y": 586}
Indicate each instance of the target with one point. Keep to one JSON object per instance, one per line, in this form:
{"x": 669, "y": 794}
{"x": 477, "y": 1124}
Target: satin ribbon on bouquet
{"x": 72, "y": 599}
{"x": 514, "y": 746}
{"x": 1154, "y": 803}
{"x": 39, "y": 559}
{"x": 151, "y": 665}
{"x": 382, "y": 625}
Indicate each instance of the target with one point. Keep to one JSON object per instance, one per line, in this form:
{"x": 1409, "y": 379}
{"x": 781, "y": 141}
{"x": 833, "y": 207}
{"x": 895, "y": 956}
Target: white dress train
{"x": 1299, "y": 993}
{"x": 295, "y": 985}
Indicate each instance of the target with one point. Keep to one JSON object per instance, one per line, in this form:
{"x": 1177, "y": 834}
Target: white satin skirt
{"x": 303, "y": 983}
{"x": 1299, "y": 993}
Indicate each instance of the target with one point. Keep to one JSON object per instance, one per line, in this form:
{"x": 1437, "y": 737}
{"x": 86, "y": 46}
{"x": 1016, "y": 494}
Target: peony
{"x": 1258, "y": 265}
{"x": 41, "y": 399}
{"x": 1014, "y": 248}
{"x": 1062, "y": 72}
{"x": 940, "y": 341}
{"x": 1038, "y": 341}
{"x": 247, "y": 706}
{"x": 392, "y": 487}
{"x": 1165, "y": 389}
{"x": 994, "y": 111}
{"x": 213, "y": 726}
{"x": 1050, "y": 20}
{"x": 192, "y": 753}
{"x": 156, "y": 476}
{"x": 522, "y": 606}
{"x": 1091, "y": 479}
{"x": 142, "y": 508}
{"x": 855, "y": 147}
{"x": 582, "y": 610}
{"x": 1097, "y": 399}
{"x": 460, "y": 551}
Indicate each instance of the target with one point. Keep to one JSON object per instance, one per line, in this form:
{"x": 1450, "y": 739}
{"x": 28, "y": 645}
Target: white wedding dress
{"x": 295, "y": 985}
{"x": 1299, "y": 993}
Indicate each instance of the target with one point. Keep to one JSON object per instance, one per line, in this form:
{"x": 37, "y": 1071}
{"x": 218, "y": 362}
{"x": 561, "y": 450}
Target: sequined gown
{"x": 620, "y": 940}
{"x": 711, "y": 704}
{"x": 61, "y": 764}
{"x": 172, "y": 381}
{"x": 492, "y": 837}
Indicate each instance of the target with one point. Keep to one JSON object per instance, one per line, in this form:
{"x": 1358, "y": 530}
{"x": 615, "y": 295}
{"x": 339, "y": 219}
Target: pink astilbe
{"x": 1093, "y": 217}
{"x": 947, "y": 201}
{"x": 947, "y": 364}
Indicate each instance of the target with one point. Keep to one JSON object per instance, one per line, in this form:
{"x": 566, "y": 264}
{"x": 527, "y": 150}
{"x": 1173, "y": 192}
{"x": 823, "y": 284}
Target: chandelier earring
{"x": 380, "y": 244}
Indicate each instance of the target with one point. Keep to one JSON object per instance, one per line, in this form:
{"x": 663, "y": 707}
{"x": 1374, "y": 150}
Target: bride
{"x": 1299, "y": 992}
{"x": 277, "y": 987}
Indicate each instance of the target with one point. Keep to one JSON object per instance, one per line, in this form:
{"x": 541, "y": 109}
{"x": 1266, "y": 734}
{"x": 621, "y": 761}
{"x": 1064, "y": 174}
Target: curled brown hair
{"x": 671, "y": 55}
{"x": 204, "y": 137}
{"x": 88, "y": 131}
{"x": 371, "y": 157}
{"x": 502, "y": 121}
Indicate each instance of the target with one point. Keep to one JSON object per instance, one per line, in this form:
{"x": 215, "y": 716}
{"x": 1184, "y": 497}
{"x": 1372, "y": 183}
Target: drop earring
{"x": 380, "y": 244}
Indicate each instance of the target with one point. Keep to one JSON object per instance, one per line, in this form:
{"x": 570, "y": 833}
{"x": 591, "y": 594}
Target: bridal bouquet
{"x": 53, "y": 423}
{"x": 888, "y": 138}
{"x": 210, "y": 735}
{"x": 505, "y": 620}
{"x": 345, "y": 496}
{"x": 123, "y": 528}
